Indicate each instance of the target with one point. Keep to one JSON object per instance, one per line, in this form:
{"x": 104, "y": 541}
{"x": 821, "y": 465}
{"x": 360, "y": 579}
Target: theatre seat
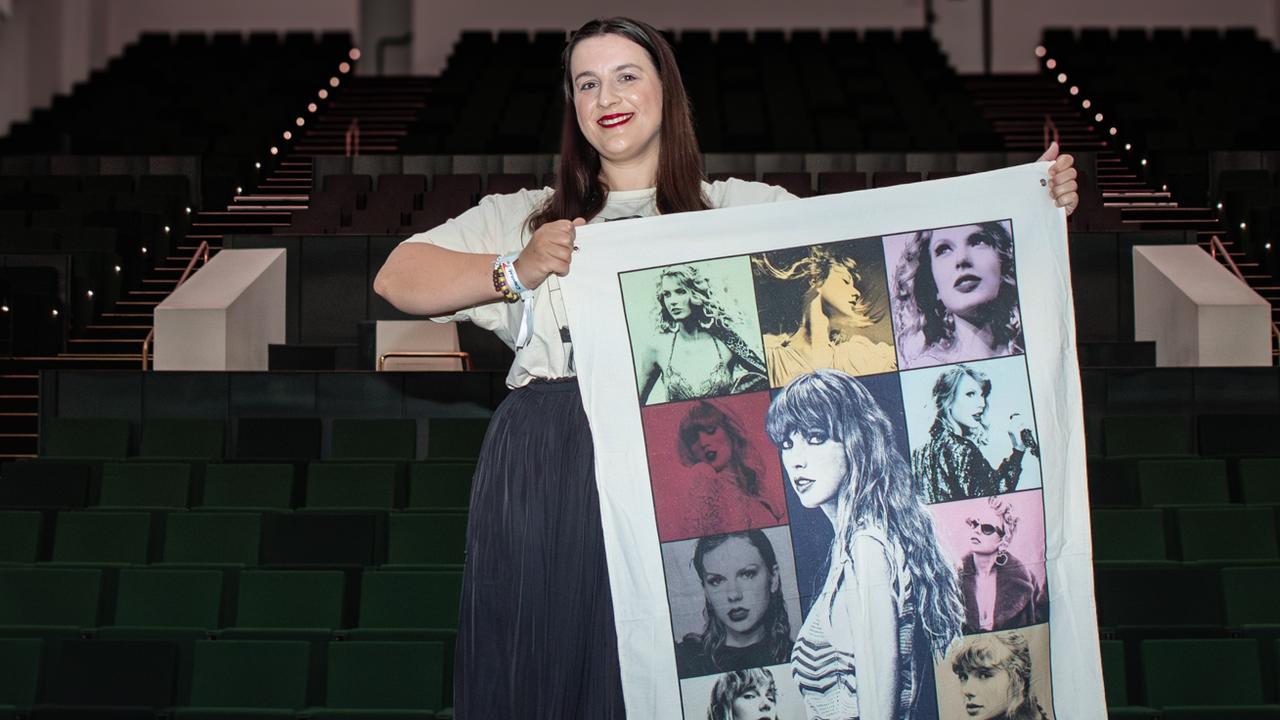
{"x": 248, "y": 678}
{"x": 383, "y": 679}
{"x": 1205, "y": 679}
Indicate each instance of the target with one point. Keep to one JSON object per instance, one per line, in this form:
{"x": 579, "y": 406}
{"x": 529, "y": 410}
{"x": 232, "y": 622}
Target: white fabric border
{"x": 593, "y": 300}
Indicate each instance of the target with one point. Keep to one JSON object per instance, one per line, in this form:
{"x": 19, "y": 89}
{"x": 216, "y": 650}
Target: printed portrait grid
{"x": 962, "y": 419}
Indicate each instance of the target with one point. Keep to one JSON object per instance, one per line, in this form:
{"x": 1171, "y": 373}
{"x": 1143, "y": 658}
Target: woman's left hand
{"x": 1062, "y": 179}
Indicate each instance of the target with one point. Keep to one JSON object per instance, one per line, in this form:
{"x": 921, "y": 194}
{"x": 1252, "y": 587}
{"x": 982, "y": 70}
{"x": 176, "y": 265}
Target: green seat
{"x": 1182, "y": 482}
{"x": 360, "y": 438}
{"x": 1115, "y": 679}
{"x": 344, "y": 485}
{"x": 145, "y": 485}
{"x": 50, "y": 597}
{"x": 260, "y": 486}
{"x": 1251, "y": 595}
{"x": 1124, "y": 435}
{"x": 20, "y": 660}
{"x": 407, "y": 601}
{"x": 102, "y": 537}
{"x": 168, "y": 598}
{"x": 212, "y": 538}
{"x": 1227, "y": 534}
{"x": 1200, "y": 678}
{"x": 19, "y": 536}
{"x": 183, "y": 438}
{"x": 255, "y": 678}
{"x": 455, "y": 437}
{"x": 1129, "y": 536}
{"x": 426, "y": 539}
{"x": 289, "y": 600}
{"x": 1260, "y": 480}
{"x": 383, "y": 679}
{"x": 86, "y": 437}
{"x": 440, "y": 485}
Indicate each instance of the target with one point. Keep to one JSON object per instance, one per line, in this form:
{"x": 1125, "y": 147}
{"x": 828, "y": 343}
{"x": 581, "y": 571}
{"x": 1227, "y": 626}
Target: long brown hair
{"x": 579, "y": 190}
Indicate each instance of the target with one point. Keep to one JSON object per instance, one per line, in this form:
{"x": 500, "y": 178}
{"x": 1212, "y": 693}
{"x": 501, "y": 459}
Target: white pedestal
{"x": 1197, "y": 312}
{"x": 225, "y": 315}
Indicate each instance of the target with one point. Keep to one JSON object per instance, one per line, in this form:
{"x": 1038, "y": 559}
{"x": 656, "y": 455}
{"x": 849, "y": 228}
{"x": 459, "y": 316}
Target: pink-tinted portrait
{"x": 712, "y": 467}
{"x": 997, "y": 546}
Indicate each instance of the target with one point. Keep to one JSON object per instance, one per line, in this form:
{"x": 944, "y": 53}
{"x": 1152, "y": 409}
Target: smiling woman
{"x": 536, "y": 582}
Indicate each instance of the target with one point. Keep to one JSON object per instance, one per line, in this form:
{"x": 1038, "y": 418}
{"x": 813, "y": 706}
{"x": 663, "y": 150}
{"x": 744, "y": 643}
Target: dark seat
{"x": 111, "y": 678}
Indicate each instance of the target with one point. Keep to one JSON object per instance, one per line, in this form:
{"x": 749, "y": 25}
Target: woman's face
{"x": 676, "y": 299}
{"x": 816, "y": 466}
{"x": 838, "y": 291}
{"x": 980, "y": 541}
{"x": 617, "y": 96}
{"x": 966, "y": 268}
{"x": 738, "y": 585}
{"x": 756, "y": 704}
{"x": 986, "y": 692}
{"x": 713, "y": 447}
{"x": 969, "y": 405}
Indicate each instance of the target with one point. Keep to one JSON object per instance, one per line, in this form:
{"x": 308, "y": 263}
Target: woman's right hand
{"x": 549, "y": 252}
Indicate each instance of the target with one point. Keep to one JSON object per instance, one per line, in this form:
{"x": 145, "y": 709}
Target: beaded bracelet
{"x": 500, "y": 283}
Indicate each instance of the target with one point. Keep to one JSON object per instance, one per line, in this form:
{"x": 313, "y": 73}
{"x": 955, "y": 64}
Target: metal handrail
{"x": 352, "y": 137}
{"x": 465, "y": 357}
{"x": 1216, "y": 246}
{"x": 1051, "y": 131}
{"x": 202, "y": 254}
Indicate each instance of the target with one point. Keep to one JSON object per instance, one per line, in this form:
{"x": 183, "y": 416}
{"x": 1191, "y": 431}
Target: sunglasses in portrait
{"x": 986, "y": 528}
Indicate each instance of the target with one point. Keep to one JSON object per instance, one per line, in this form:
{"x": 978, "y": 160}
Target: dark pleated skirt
{"x": 536, "y": 637}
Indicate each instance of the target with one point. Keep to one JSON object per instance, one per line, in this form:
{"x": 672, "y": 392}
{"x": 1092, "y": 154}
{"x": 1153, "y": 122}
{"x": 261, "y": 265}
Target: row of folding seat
{"x": 422, "y": 485}
{"x": 257, "y": 438}
{"x": 1209, "y": 535}
{"x": 159, "y": 677}
{"x": 804, "y": 93}
{"x": 1207, "y": 435}
{"x": 1157, "y": 482}
{"x": 337, "y": 538}
{"x": 184, "y": 98}
{"x": 1170, "y": 94}
{"x": 201, "y": 601}
{"x": 1191, "y": 679}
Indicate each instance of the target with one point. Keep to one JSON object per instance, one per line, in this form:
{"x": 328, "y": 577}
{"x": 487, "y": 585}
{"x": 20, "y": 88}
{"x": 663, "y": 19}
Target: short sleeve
{"x": 734, "y": 192}
{"x": 495, "y": 226}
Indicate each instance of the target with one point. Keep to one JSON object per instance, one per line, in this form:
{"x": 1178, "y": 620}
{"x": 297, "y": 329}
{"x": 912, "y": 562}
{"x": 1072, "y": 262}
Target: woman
{"x": 706, "y": 356}
{"x": 995, "y": 678}
{"x": 956, "y": 296}
{"x": 746, "y": 619}
{"x": 744, "y": 695}
{"x": 724, "y": 489}
{"x": 950, "y": 465}
{"x": 627, "y": 148}
{"x": 890, "y": 604}
{"x": 832, "y": 313}
{"x": 998, "y": 591}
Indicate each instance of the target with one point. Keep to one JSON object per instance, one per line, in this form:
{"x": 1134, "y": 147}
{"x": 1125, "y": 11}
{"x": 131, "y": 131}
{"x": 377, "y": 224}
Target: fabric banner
{"x": 840, "y": 455}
